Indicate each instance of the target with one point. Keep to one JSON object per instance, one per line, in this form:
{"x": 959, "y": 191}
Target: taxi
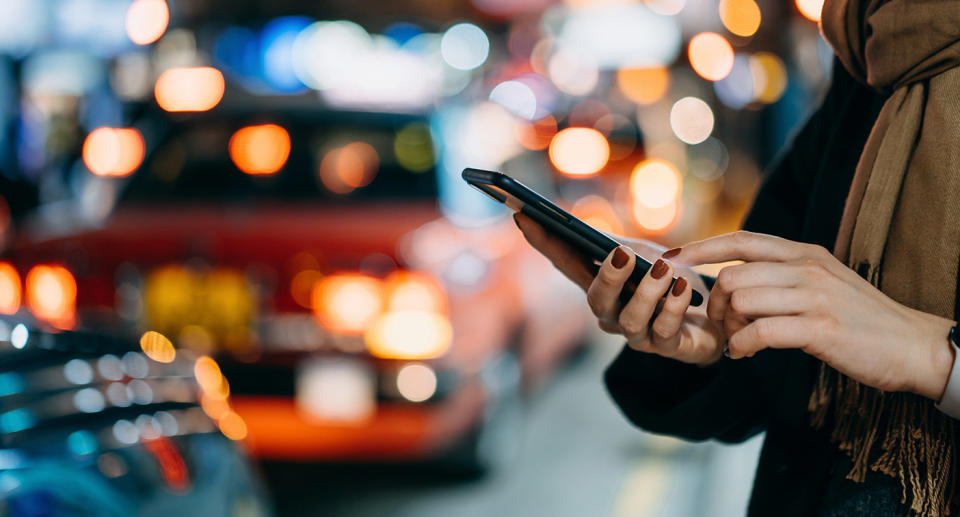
{"x": 305, "y": 252}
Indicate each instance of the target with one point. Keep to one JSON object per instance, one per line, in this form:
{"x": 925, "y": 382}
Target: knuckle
{"x": 764, "y": 330}
{"x": 739, "y": 301}
{"x": 595, "y": 298}
{"x": 662, "y": 329}
{"x": 742, "y": 237}
{"x": 630, "y": 326}
{"x": 725, "y": 279}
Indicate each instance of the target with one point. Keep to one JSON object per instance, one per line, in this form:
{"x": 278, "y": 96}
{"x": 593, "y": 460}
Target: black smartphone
{"x": 586, "y": 239}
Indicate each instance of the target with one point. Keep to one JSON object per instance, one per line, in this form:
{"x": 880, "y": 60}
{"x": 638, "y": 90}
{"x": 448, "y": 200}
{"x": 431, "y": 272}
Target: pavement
{"x": 576, "y": 456}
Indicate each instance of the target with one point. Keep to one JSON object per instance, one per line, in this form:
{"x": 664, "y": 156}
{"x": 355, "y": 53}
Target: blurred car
{"x": 91, "y": 426}
{"x": 306, "y": 252}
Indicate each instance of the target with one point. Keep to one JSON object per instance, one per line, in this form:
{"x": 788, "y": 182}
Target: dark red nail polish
{"x": 620, "y": 258}
{"x": 671, "y": 253}
{"x": 679, "y": 286}
{"x": 659, "y": 269}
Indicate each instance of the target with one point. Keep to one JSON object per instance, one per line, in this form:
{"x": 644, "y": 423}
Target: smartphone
{"x": 584, "y": 238}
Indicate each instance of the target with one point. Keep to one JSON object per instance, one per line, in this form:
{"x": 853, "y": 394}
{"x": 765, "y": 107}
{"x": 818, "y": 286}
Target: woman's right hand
{"x": 670, "y": 328}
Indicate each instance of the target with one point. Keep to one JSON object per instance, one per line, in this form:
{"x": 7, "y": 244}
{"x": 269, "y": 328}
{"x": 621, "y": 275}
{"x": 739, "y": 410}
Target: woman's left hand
{"x": 793, "y": 295}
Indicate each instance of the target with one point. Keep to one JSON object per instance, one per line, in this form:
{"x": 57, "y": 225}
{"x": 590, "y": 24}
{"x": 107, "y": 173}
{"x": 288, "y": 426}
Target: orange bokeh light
{"x": 210, "y": 378}
{"x": 51, "y": 293}
{"x": 579, "y": 151}
{"x": 10, "y": 290}
{"x": 232, "y": 426}
{"x": 156, "y": 346}
{"x": 711, "y": 56}
{"x": 147, "y": 20}
{"x": 643, "y": 85}
{"x": 189, "y": 88}
{"x": 347, "y": 303}
{"x": 655, "y": 183}
{"x": 109, "y": 151}
{"x": 656, "y": 220}
{"x": 409, "y": 290}
{"x": 740, "y": 17}
{"x": 345, "y": 169}
{"x": 260, "y": 150}
{"x": 599, "y": 213}
{"x": 536, "y": 135}
{"x": 810, "y": 9}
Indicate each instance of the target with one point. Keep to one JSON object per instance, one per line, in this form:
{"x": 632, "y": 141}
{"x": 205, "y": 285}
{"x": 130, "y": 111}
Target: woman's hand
{"x": 670, "y": 328}
{"x": 794, "y": 295}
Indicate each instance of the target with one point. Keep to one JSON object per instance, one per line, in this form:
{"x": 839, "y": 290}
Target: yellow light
{"x": 210, "y": 379}
{"x": 52, "y": 295}
{"x": 111, "y": 151}
{"x": 301, "y": 286}
{"x": 599, "y": 213}
{"x": 214, "y": 407}
{"x": 741, "y": 17}
{"x": 769, "y": 77}
{"x": 691, "y": 120}
{"x": 407, "y": 290}
{"x": 536, "y": 136}
{"x": 655, "y": 183}
{"x": 147, "y": 20}
{"x": 189, "y": 89}
{"x": 409, "y": 334}
{"x": 711, "y": 56}
{"x": 810, "y": 9}
{"x": 260, "y": 150}
{"x": 416, "y": 382}
{"x": 350, "y": 167}
{"x": 579, "y": 151}
{"x": 347, "y": 303}
{"x": 232, "y": 426}
{"x": 413, "y": 147}
{"x": 10, "y": 290}
{"x": 157, "y": 347}
{"x": 656, "y": 220}
{"x": 643, "y": 85}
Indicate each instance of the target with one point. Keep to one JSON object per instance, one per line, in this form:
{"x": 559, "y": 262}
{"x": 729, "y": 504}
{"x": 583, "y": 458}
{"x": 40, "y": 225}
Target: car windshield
{"x": 331, "y": 157}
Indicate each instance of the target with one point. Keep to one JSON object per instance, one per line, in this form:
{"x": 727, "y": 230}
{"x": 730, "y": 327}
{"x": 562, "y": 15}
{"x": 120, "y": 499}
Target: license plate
{"x": 341, "y": 390}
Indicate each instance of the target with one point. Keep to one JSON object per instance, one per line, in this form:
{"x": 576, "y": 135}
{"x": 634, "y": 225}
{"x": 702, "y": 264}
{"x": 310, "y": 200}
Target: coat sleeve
{"x": 731, "y": 400}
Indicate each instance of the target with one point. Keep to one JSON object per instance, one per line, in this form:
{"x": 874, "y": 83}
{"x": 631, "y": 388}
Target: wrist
{"x": 938, "y": 357}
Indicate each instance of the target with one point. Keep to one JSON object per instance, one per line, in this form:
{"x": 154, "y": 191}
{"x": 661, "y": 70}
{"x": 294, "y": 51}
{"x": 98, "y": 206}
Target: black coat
{"x": 800, "y": 472}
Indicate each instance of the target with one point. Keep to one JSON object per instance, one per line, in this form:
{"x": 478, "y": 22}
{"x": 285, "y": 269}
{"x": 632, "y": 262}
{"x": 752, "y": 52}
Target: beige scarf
{"x": 901, "y": 230}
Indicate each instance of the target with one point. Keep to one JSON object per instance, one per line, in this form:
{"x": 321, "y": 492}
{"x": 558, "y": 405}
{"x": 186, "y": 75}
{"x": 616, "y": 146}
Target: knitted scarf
{"x": 901, "y": 230}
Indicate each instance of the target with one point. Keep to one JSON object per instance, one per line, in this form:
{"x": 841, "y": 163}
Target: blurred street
{"x": 578, "y": 456}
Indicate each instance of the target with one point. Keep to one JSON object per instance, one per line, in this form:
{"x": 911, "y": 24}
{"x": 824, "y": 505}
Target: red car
{"x": 305, "y": 251}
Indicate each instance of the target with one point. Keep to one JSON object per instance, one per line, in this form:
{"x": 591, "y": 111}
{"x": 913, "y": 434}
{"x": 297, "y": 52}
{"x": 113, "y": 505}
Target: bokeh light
{"x": 413, "y": 147}
{"x": 232, "y": 426}
{"x": 464, "y": 46}
{"x": 416, "y": 382}
{"x": 260, "y": 150}
{"x": 409, "y": 334}
{"x": 810, "y": 9}
{"x": 643, "y": 85}
{"x": 598, "y": 213}
{"x": 111, "y": 151}
{"x": 408, "y": 290}
{"x": 740, "y": 17}
{"x": 10, "y": 290}
{"x": 51, "y": 294}
{"x": 665, "y": 7}
{"x": 656, "y": 220}
{"x": 189, "y": 89}
{"x": 736, "y": 90}
{"x": 147, "y": 20}
{"x": 579, "y": 151}
{"x": 347, "y": 303}
{"x": 711, "y": 55}
{"x": 769, "y": 77}
{"x": 516, "y": 97}
{"x": 655, "y": 183}
{"x": 573, "y": 72}
{"x": 210, "y": 379}
{"x": 691, "y": 120}
{"x": 536, "y": 136}
{"x": 345, "y": 169}
{"x": 157, "y": 347}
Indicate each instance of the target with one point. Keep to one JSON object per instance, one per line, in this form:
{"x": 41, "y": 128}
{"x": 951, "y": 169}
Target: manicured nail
{"x": 671, "y": 253}
{"x": 659, "y": 269}
{"x": 679, "y": 286}
{"x": 620, "y": 258}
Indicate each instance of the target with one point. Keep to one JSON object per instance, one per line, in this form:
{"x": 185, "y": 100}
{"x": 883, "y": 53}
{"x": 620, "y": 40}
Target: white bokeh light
{"x": 691, "y": 120}
{"x": 464, "y": 46}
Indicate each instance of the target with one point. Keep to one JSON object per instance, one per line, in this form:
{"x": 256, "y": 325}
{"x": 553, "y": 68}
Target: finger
{"x": 773, "y": 332}
{"x": 665, "y": 328}
{"x": 636, "y": 314}
{"x": 744, "y": 276}
{"x": 603, "y": 294}
{"x": 746, "y": 246}
{"x": 572, "y": 264}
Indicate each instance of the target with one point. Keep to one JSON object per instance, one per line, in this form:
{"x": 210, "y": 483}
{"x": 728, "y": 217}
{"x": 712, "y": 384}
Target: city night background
{"x": 240, "y": 273}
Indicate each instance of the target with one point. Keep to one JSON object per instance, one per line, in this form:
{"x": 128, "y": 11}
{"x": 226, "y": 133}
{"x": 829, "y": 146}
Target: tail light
{"x": 51, "y": 294}
{"x": 9, "y": 289}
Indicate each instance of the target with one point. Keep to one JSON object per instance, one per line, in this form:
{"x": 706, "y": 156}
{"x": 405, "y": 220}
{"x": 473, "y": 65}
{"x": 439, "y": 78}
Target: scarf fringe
{"x": 908, "y": 438}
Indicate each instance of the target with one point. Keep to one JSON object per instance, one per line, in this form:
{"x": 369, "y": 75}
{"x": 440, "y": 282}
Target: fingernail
{"x": 679, "y": 286}
{"x": 659, "y": 269}
{"x": 620, "y": 258}
{"x": 671, "y": 253}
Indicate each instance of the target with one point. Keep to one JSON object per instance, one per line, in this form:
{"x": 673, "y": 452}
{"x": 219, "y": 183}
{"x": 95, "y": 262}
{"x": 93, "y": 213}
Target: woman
{"x": 840, "y": 358}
